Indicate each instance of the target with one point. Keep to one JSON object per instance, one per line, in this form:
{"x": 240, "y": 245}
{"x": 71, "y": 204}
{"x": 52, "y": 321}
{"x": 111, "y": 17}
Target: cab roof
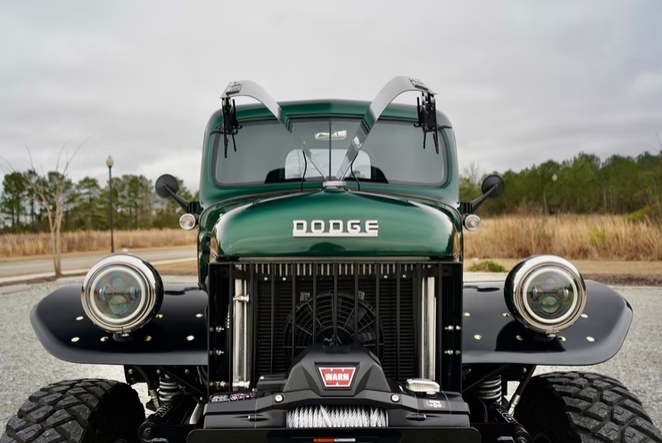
{"x": 323, "y": 108}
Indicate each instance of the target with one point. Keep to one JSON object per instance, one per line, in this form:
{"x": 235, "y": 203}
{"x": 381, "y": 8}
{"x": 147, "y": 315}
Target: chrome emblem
{"x": 335, "y": 228}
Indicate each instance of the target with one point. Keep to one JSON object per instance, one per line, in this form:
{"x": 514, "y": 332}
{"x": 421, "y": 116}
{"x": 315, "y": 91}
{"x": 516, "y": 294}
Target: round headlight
{"x": 545, "y": 293}
{"x": 121, "y": 293}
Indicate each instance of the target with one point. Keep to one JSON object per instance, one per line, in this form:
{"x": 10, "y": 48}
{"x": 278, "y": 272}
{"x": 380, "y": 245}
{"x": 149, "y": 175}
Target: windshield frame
{"x": 446, "y": 145}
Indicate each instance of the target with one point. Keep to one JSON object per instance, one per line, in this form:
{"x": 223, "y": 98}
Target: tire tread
{"x": 598, "y": 409}
{"x": 62, "y": 412}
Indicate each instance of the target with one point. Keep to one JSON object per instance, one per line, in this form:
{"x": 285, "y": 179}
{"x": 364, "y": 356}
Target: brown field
{"x": 23, "y": 245}
{"x": 593, "y": 238}
{"x": 575, "y": 237}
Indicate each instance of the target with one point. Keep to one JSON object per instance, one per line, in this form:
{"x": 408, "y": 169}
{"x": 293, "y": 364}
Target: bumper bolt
{"x": 395, "y": 398}
{"x": 278, "y": 398}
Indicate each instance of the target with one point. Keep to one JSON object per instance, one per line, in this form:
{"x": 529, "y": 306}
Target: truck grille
{"x": 330, "y": 317}
{"x": 264, "y": 313}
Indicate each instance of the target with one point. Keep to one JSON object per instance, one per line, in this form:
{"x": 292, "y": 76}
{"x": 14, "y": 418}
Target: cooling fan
{"x": 360, "y": 323}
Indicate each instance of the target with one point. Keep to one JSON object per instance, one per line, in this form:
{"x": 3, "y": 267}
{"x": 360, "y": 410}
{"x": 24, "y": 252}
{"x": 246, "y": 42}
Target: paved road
{"x": 25, "y": 365}
{"x": 70, "y": 263}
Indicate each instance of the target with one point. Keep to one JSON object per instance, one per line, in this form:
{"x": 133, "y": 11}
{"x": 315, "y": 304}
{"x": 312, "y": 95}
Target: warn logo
{"x": 337, "y": 377}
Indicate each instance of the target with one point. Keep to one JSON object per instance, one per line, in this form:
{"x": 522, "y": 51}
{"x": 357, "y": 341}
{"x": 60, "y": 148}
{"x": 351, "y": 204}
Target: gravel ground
{"x": 25, "y": 366}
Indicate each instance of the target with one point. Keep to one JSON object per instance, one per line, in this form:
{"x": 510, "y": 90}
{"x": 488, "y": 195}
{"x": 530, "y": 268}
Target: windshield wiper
{"x": 394, "y": 88}
{"x": 231, "y": 125}
{"x": 427, "y": 118}
{"x": 251, "y": 89}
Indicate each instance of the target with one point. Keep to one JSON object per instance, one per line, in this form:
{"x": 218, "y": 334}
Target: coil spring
{"x": 168, "y": 390}
{"x": 490, "y": 389}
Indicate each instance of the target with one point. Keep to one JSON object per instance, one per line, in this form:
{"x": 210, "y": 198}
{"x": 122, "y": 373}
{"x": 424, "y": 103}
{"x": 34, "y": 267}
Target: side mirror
{"x": 166, "y": 187}
{"x": 492, "y": 187}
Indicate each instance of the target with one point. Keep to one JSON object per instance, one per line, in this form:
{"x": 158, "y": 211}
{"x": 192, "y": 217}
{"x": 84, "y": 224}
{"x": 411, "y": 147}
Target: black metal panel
{"x": 390, "y": 435}
{"x": 178, "y": 337}
{"x": 503, "y": 340}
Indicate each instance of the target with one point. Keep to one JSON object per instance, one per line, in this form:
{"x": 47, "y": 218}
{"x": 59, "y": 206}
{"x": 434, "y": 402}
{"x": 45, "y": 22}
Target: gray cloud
{"x": 522, "y": 82}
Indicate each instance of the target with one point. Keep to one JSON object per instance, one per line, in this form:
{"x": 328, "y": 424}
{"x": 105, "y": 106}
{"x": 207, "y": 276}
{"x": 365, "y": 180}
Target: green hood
{"x": 335, "y": 223}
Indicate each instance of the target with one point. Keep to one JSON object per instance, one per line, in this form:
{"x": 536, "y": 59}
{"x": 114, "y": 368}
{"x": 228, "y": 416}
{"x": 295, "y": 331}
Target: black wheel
{"x": 574, "y": 407}
{"x": 78, "y": 411}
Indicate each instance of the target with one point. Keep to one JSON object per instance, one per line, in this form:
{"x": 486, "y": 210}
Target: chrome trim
{"x": 517, "y": 284}
{"x": 241, "y": 336}
{"x": 422, "y": 385}
{"x": 334, "y": 184}
{"x": 151, "y": 287}
{"x": 428, "y": 329}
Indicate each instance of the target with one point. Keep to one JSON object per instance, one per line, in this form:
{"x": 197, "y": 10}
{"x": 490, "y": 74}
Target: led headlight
{"x": 121, "y": 293}
{"x": 545, "y": 293}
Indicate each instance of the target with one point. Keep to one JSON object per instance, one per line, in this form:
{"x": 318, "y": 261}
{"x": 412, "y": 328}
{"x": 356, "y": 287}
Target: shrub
{"x": 487, "y": 266}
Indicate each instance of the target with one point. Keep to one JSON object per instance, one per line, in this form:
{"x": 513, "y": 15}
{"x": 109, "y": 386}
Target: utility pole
{"x": 556, "y": 197}
{"x": 109, "y": 163}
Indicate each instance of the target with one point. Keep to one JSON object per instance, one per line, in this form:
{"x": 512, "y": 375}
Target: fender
{"x": 491, "y": 335}
{"x": 179, "y": 337}
{"x": 176, "y": 337}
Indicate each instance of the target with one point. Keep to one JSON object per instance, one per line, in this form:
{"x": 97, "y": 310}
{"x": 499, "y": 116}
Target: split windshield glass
{"x": 393, "y": 153}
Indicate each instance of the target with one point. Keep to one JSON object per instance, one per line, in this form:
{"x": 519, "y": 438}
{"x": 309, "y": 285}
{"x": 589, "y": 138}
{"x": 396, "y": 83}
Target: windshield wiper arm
{"x": 251, "y": 89}
{"x": 394, "y": 88}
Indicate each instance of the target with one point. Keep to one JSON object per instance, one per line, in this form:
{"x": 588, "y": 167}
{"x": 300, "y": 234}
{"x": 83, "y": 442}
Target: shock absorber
{"x": 168, "y": 390}
{"x": 170, "y": 421}
{"x": 489, "y": 390}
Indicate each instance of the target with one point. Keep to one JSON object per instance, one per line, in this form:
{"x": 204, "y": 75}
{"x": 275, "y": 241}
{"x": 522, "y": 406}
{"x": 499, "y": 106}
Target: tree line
{"x": 84, "y": 203}
{"x": 584, "y": 184}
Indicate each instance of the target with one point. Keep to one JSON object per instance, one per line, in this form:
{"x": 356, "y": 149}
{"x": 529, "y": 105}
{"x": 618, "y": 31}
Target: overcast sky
{"x": 521, "y": 81}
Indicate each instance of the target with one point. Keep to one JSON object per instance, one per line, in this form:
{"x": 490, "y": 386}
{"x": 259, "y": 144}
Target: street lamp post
{"x": 556, "y": 197}
{"x": 109, "y": 163}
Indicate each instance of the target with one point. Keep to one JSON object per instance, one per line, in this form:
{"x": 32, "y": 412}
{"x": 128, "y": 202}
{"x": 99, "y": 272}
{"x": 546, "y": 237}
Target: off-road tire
{"x": 78, "y": 411}
{"x": 575, "y": 407}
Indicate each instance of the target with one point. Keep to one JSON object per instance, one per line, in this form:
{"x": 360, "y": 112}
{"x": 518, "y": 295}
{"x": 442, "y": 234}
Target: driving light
{"x": 545, "y": 293}
{"x": 472, "y": 222}
{"x": 187, "y": 221}
{"x": 121, "y": 293}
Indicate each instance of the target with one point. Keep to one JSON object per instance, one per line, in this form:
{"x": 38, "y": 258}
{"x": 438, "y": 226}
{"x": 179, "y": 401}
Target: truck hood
{"x": 335, "y": 223}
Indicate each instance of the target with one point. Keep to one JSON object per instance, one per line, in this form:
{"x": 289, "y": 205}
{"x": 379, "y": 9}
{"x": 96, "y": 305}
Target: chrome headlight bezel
{"x": 517, "y": 284}
{"x": 151, "y": 288}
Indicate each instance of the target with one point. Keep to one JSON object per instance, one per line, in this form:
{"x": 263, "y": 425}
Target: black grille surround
{"x": 285, "y": 296}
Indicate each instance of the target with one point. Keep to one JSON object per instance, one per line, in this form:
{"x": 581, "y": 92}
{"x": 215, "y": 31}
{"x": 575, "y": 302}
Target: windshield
{"x": 393, "y": 153}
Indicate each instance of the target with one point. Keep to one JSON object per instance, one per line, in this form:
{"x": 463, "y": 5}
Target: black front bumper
{"x": 386, "y": 435}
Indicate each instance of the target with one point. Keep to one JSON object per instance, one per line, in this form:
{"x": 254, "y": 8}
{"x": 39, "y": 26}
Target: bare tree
{"x": 472, "y": 172}
{"x": 50, "y": 192}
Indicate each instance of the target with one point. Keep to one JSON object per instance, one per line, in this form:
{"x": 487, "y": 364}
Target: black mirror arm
{"x": 182, "y": 202}
{"x": 473, "y": 205}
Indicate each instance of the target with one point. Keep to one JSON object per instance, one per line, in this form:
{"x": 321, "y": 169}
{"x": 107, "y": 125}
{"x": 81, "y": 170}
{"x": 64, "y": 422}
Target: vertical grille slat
{"x": 334, "y": 303}
{"x": 397, "y": 320}
{"x": 272, "y": 296}
{"x": 377, "y": 307}
{"x": 294, "y": 311}
{"x": 314, "y": 295}
{"x": 356, "y": 307}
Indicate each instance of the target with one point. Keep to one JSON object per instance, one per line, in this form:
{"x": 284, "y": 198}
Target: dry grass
{"x": 573, "y": 237}
{"x": 594, "y": 238}
{"x": 592, "y": 267}
{"x": 22, "y": 245}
